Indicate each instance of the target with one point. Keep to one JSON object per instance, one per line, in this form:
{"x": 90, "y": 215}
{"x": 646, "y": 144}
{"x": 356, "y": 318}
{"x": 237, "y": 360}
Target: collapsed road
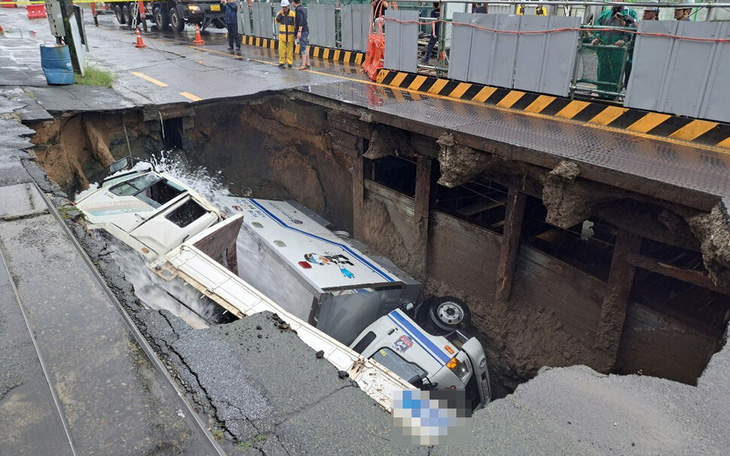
{"x": 567, "y": 410}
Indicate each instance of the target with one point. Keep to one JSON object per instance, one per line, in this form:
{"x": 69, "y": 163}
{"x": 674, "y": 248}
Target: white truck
{"x": 286, "y": 251}
{"x": 323, "y": 286}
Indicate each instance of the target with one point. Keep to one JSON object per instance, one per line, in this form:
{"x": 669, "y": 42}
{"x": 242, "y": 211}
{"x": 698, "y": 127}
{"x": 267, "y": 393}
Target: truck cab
{"x": 452, "y": 361}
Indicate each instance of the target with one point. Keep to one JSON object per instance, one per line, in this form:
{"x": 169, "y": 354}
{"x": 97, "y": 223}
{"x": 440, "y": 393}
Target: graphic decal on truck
{"x": 338, "y": 260}
{"x": 402, "y": 344}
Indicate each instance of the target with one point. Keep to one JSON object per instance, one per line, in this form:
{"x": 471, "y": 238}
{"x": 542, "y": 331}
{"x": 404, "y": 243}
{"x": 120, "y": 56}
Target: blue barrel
{"x": 56, "y": 64}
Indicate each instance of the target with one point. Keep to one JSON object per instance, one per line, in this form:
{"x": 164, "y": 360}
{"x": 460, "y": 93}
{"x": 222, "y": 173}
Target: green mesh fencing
{"x": 601, "y": 70}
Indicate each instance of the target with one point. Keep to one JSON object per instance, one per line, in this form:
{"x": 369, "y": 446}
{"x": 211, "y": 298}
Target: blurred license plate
{"x": 215, "y": 7}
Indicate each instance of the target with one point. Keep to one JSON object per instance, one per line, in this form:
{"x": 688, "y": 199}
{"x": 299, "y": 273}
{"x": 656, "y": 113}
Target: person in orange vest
{"x": 287, "y": 21}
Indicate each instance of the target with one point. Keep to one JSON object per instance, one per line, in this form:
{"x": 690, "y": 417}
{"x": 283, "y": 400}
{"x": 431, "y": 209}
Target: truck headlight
{"x": 458, "y": 368}
{"x": 194, "y": 8}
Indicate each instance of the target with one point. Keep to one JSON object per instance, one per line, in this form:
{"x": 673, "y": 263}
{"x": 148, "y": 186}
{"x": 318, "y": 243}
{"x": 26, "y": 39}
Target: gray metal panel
{"x": 681, "y": 76}
{"x": 503, "y": 46}
{"x": 263, "y": 20}
{"x": 244, "y": 18}
{"x": 650, "y": 63}
{"x": 461, "y": 43}
{"x": 545, "y": 61}
{"x": 716, "y": 104}
{"x": 690, "y": 69}
{"x": 321, "y": 20}
{"x": 354, "y": 22}
{"x": 401, "y": 41}
{"x": 692, "y": 66}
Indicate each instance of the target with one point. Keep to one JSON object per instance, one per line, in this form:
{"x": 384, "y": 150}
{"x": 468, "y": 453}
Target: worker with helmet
{"x": 287, "y": 24}
{"x": 682, "y": 12}
{"x": 651, "y": 13}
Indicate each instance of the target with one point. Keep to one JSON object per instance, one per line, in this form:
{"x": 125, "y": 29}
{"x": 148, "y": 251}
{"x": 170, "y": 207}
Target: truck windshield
{"x": 411, "y": 372}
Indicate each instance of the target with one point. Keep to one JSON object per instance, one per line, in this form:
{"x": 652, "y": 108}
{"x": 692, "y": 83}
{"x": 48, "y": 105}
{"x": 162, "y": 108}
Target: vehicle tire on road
{"x": 127, "y": 15}
{"x": 162, "y": 19}
{"x": 449, "y": 313}
{"x": 119, "y": 14}
{"x": 176, "y": 20}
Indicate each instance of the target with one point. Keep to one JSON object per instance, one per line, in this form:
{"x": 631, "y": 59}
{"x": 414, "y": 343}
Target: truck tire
{"x": 449, "y": 313}
{"x": 119, "y": 14}
{"x": 162, "y": 19}
{"x": 127, "y": 15}
{"x": 176, "y": 20}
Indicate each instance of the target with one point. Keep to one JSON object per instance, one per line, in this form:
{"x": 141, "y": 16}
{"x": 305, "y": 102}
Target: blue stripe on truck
{"x": 420, "y": 338}
{"x": 343, "y": 246}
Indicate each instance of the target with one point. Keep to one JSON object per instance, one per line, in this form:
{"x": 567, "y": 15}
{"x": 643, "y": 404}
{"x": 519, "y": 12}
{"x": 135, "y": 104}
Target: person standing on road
{"x": 287, "y": 22}
{"x": 302, "y": 28}
{"x": 232, "y": 24}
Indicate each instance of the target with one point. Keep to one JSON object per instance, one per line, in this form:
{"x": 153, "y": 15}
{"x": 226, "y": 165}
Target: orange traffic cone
{"x": 139, "y": 44}
{"x": 198, "y": 40}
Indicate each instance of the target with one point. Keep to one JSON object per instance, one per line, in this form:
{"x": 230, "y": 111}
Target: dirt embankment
{"x": 72, "y": 148}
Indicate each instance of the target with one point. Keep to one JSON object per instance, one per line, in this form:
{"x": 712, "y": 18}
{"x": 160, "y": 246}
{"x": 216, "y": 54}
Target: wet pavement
{"x": 76, "y": 372}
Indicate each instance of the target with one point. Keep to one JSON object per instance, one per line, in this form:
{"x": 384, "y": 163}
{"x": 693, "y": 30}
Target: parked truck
{"x": 174, "y": 13}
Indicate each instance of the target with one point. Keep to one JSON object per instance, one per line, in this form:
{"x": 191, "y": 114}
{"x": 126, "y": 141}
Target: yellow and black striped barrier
{"x": 635, "y": 120}
{"x": 317, "y": 52}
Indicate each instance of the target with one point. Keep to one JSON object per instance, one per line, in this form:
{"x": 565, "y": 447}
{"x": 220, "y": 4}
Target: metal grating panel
{"x": 244, "y": 18}
{"x": 401, "y": 41}
{"x": 321, "y": 20}
{"x": 354, "y": 22}
{"x": 680, "y": 76}
{"x": 263, "y": 20}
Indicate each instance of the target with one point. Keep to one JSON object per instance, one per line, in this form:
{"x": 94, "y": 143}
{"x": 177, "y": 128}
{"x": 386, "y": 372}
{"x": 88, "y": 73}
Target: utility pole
{"x": 61, "y": 27}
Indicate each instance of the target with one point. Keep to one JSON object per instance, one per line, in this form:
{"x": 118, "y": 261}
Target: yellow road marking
{"x": 460, "y": 90}
{"x": 693, "y": 130}
{"x": 540, "y": 103}
{"x": 484, "y": 94}
{"x": 437, "y": 86}
{"x": 510, "y": 99}
{"x": 398, "y": 79}
{"x": 190, "y": 96}
{"x": 147, "y": 78}
{"x": 608, "y": 115}
{"x": 417, "y": 82}
{"x": 572, "y": 109}
{"x": 648, "y": 122}
{"x": 440, "y": 83}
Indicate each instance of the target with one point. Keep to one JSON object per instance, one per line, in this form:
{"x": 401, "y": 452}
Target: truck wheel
{"x": 176, "y": 20}
{"x": 449, "y": 313}
{"x": 162, "y": 19}
{"x": 127, "y": 15}
{"x": 119, "y": 14}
